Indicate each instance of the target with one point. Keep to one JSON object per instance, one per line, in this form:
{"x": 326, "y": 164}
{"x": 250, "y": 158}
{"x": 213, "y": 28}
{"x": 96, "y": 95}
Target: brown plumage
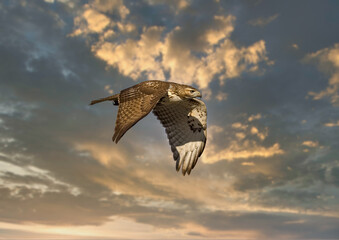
{"x": 183, "y": 116}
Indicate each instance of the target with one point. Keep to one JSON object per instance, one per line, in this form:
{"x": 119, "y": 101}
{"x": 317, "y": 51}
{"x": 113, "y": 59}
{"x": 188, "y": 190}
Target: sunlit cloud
{"x": 106, "y": 155}
{"x": 254, "y": 117}
{"x": 240, "y": 135}
{"x": 90, "y": 21}
{"x": 234, "y": 151}
{"x": 261, "y": 135}
{"x": 310, "y": 144}
{"x": 248, "y": 163}
{"x": 221, "y": 96}
{"x": 239, "y": 147}
{"x": 109, "y": 89}
{"x": 133, "y": 58}
{"x": 327, "y": 60}
{"x": 332, "y": 124}
{"x": 295, "y": 46}
{"x": 126, "y": 28}
{"x": 155, "y": 53}
{"x": 224, "y": 29}
{"x": 239, "y": 125}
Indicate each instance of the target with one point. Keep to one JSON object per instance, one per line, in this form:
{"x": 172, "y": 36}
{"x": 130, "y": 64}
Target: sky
{"x": 269, "y": 75}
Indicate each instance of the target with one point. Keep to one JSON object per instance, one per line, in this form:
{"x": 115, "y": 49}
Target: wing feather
{"x": 185, "y": 124}
{"x": 135, "y": 103}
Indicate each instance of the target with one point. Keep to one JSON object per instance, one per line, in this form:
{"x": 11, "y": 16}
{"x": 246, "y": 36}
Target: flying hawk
{"x": 175, "y": 105}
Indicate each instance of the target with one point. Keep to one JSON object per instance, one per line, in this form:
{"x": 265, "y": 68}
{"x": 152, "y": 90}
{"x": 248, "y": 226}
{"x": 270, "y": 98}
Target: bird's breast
{"x": 173, "y": 96}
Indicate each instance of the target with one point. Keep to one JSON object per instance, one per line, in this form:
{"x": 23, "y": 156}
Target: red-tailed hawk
{"x": 183, "y": 116}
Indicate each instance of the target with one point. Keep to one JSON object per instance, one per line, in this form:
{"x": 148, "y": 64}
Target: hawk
{"x": 178, "y": 109}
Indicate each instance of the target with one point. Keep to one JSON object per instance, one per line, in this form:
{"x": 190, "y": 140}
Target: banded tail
{"x": 114, "y": 98}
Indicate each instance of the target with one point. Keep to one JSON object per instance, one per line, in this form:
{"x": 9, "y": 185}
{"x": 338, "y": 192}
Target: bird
{"x": 179, "y": 110}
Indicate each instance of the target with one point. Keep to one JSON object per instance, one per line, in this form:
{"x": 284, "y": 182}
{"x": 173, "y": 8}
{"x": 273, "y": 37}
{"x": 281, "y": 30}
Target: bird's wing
{"x": 135, "y": 103}
{"x": 185, "y": 124}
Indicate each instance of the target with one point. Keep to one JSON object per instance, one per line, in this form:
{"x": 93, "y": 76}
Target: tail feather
{"x": 114, "y": 98}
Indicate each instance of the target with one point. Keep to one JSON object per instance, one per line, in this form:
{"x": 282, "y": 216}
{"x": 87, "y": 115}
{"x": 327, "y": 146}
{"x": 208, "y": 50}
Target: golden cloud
{"x": 241, "y": 146}
{"x": 240, "y": 135}
{"x": 327, "y": 60}
{"x": 332, "y": 124}
{"x": 225, "y": 27}
{"x": 236, "y": 151}
{"x": 153, "y": 54}
{"x": 310, "y": 144}
{"x": 261, "y": 135}
{"x": 247, "y": 163}
{"x": 134, "y": 57}
{"x": 254, "y": 117}
{"x": 156, "y": 184}
{"x": 239, "y": 125}
{"x": 105, "y": 154}
{"x": 90, "y": 21}
{"x": 295, "y": 46}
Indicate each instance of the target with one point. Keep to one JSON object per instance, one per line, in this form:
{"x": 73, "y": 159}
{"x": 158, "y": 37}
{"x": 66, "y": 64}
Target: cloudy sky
{"x": 269, "y": 74}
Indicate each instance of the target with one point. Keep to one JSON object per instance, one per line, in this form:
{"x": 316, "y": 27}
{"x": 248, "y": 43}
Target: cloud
{"x": 311, "y": 144}
{"x": 332, "y": 124}
{"x": 239, "y": 125}
{"x": 95, "y": 17}
{"x": 59, "y": 208}
{"x": 261, "y": 135}
{"x": 254, "y": 130}
{"x": 295, "y": 46}
{"x": 241, "y": 146}
{"x": 224, "y": 28}
{"x": 221, "y": 96}
{"x": 90, "y": 21}
{"x": 110, "y": 7}
{"x": 261, "y": 21}
{"x": 240, "y": 135}
{"x": 17, "y": 108}
{"x": 109, "y": 89}
{"x": 248, "y": 163}
{"x": 158, "y": 52}
{"x": 96, "y": 21}
{"x": 327, "y": 60}
{"x": 32, "y": 178}
{"x": 133, "y": 58}
{"x": 246, "y": 151}
{"x": 254, "y": 117}
{"x": 229, "y": 61}
{"x": 174, "y": 5}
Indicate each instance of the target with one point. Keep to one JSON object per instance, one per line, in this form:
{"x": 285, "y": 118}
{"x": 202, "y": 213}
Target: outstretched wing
{"x": 185, "y": 123}
{"x": 135, "y": 103}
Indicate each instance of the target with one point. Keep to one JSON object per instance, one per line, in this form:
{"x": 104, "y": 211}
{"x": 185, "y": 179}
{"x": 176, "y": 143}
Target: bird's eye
{"x": 192, "y": 91}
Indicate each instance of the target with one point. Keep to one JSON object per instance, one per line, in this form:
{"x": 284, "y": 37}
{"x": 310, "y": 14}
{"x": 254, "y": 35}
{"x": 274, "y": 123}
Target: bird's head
{"x": 191, "y": 92}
